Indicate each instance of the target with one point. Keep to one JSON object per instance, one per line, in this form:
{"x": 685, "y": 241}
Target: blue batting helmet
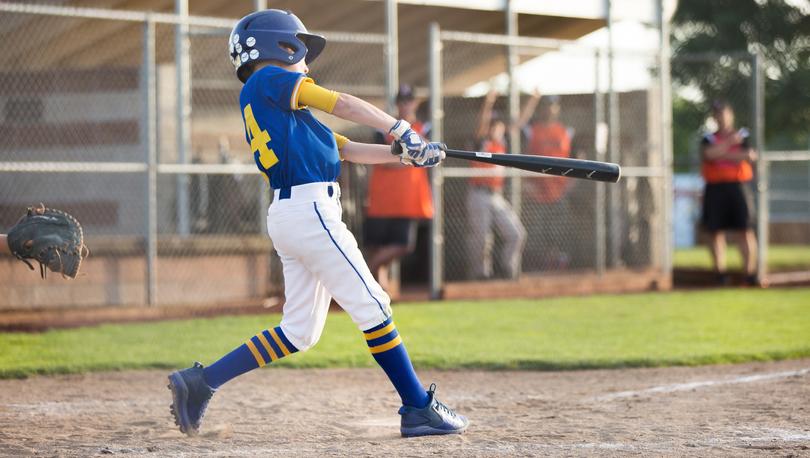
{"x": 266, "y": 35}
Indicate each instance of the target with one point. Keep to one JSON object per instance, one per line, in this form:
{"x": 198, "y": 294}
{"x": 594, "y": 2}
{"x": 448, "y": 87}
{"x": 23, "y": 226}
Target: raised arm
{"x": 485, "y": 116}
{"x": 528, "y": 110}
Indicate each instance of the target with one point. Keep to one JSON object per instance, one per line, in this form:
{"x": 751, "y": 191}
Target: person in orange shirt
{"x": 546, "y": 136}
{"x": 727, "y": 156}
{"x": 487, "y": 210}
{"x": 398, "y": 198}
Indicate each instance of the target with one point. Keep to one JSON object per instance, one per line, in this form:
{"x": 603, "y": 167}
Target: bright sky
{"x": 573, "y": 70}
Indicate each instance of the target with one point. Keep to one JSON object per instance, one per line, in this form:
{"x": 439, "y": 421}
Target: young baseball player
{"x": 301, "y": 159}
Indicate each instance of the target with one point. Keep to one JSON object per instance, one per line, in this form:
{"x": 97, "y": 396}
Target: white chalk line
{"x": 703, "y": 384}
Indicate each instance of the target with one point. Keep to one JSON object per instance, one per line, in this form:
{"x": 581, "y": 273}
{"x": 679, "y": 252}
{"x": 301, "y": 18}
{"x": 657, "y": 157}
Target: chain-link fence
{"x": 130, "y": 121}
{"x": 500, "y": 224}
{"x": 781, "y": 181}
{"x": 785, "y": 241}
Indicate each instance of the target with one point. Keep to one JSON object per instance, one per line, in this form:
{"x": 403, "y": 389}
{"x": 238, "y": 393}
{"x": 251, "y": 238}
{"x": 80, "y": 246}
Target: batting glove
{"x": 434, "y": 154}
{"x": 412, "y": 143}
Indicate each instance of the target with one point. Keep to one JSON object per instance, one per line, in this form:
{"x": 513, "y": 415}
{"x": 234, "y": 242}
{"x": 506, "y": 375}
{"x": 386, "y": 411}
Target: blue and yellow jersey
{"x": 289, "y": 145}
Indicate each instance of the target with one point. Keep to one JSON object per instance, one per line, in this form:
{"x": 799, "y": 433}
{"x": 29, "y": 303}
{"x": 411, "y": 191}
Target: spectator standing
{"x": 547, "y": 136}
{"x": 487, "y": 210}
{"x": 727, "y": 158}
{"x": 399, "y": 198}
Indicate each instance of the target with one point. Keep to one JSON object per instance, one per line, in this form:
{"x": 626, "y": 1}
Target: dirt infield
{"x": 741, "y": 410}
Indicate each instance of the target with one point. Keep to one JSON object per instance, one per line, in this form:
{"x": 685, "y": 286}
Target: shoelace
{"x": 439, "y": 404}
{"x": 446, "y": 409}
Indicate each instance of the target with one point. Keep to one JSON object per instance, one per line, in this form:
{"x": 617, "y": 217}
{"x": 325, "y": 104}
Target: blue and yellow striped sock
{"x": 388, "y": 350}
{"x": 263, "y": 348}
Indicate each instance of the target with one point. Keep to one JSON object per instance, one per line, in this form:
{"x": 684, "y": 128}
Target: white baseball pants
{"x": 321, "y": 260}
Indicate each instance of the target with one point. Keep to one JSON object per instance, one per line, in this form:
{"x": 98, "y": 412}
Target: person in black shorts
{"x": 727, "y": 158}
{"x": 393, "y": 216}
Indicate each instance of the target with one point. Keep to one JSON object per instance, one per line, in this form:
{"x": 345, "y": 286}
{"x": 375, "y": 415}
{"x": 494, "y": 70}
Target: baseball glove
{"x": 51, "y": 237}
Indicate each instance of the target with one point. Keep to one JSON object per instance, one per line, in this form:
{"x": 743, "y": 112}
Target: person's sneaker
{"x": 435, "y": 418}
{"x": 723, "y": 279}
{"x": 190, "y": 396}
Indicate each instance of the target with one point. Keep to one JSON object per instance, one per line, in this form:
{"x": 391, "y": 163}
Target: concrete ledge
{"x": 199, "y": 270}
{"x": 569, "y": 283}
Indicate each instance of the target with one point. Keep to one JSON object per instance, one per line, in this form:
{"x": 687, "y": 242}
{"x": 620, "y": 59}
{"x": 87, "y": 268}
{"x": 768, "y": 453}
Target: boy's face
{"x": 300, "y": 66}
{"x": 407, "y": 108}
{"x": 724, "y": 117}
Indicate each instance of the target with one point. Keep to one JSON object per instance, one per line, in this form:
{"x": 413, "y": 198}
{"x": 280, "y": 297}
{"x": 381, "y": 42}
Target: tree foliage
{"x": 779, "y": 31}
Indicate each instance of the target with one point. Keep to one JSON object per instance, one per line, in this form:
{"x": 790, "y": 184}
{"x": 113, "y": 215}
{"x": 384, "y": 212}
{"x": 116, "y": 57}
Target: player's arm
{"x": 357, "y": 110}
{"x": 368, "y": 153}
{"x": 344, "y": 106}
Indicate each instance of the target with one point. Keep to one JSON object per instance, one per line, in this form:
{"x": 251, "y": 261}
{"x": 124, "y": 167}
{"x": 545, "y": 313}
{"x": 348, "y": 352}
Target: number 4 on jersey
{"x": 259, "y": 139}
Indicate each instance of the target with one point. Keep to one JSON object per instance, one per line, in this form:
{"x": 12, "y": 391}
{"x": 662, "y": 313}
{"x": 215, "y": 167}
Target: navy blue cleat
{"x": 433, "y": 419}
{"x": 190, "y": 396}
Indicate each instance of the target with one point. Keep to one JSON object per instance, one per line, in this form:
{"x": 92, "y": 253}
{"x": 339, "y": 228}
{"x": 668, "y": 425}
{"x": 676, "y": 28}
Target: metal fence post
{"x": 512, "y": 62}
{"x": 437, "y": 178}
{"x": 391, "y": 54}
{"x": 149, "y": 121}
{"x": 614, "y": 145}
{"x": 183, "y": 114}
{"x": 763, "y": 210}
{"x": 600, "y": 151}
{"x": 665, "y": 80}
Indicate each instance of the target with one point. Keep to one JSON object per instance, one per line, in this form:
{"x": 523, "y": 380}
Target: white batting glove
{"x": 433, "y": 155}
{"x": 412, "y": 143}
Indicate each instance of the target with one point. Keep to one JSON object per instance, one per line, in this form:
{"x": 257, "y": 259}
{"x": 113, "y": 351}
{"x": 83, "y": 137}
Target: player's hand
{"x": 434, "y": 154}
{"x": 412, "y": 144}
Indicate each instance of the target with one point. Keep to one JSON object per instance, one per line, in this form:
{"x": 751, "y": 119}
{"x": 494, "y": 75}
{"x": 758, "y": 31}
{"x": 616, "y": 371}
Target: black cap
{"x": 405, "y": 93}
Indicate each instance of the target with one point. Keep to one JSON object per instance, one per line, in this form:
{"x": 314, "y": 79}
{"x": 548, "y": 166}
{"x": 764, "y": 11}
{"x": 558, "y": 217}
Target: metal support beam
{"x": 183, "y": 114}
{"x": 614, "y": 144}
{"x": 763, "y": 191}
{"x": 149, "y": 126}
{"x": 512, "y": 62}
{"x": 665, "y": 80}
{"x": 259, "y": 5}
{"x": 437, "y": 178}
{"x": 391, "y": 54}
{"x": 600, "y": 146}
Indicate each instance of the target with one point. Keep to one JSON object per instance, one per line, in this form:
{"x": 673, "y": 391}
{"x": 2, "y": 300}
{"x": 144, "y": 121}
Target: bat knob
{"x": 396, "y": 148}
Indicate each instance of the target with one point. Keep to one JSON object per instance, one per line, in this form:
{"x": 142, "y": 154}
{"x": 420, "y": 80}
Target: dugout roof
{"x": 85, "y": 43}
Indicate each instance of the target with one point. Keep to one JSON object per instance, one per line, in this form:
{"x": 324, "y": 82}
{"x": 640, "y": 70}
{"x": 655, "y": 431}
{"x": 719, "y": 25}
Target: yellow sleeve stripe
{"x": 266, "y": 345}
{"x": 294, "y": 102}
{"x": 310, "y": 94}
{"x": 386, "y": 346}
{"x": 340, "y": 140}
{"x": 380, "y": 332}
{"x": 279, "y": 342}
{"x": 259, "y": 359}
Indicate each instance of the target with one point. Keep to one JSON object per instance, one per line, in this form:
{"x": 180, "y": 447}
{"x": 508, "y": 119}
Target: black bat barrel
{"x": 560, "y": 166}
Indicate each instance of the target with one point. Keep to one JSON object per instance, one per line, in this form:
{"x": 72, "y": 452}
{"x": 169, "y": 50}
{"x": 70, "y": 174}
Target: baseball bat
{"x": 560, "y": 166}
{"x": 549, "y": 165}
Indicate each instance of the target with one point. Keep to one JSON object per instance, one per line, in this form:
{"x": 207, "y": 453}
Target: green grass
{"x": 780, "y": 258}
{"x": 679, "y": 328}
